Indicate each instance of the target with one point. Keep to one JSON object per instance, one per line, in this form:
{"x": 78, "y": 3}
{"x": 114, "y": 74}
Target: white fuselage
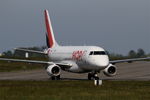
{"x": 82, "y": 57}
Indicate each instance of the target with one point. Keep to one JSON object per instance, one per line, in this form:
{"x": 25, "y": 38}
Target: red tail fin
{"x": 49, "y": 35}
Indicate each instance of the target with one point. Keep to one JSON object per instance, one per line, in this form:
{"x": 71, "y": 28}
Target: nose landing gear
{"x": 95, "y": 77}
{"x": 92, "y": 76}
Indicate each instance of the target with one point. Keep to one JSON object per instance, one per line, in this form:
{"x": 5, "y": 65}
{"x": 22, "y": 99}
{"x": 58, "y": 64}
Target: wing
{"x": 62, "y": 65}
{"x": 26, "y": 61}
{"x": 32, "y": 51}
{"x": 129, "y": 60}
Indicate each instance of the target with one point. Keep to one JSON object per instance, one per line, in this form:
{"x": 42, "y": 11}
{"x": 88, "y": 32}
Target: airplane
{"x": 75, "y": 59}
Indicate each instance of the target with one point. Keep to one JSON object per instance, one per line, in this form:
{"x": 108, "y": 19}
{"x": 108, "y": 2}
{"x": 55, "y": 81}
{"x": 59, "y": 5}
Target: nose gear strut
{"x": 95, "y": 77}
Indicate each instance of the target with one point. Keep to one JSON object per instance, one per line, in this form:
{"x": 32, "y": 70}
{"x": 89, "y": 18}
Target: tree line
{"x": 131, "y": 54}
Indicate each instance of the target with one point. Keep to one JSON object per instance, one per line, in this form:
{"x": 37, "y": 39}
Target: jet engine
{"x": 53, "y": 70}
{"x": 110, "y": 71}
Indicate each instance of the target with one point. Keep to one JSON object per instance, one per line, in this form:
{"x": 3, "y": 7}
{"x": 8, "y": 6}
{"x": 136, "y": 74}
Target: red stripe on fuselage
{"x": 49, "y": 31}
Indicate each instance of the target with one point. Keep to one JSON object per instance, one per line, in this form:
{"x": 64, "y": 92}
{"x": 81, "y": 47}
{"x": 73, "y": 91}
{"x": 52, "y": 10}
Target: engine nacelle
{"x": 53, "y": 70}
{"x": 110, "y": 71}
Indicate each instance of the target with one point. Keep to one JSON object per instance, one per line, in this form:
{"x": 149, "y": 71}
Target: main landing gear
{"x": 55, "y": 77}
{"x": 95, "y": 77}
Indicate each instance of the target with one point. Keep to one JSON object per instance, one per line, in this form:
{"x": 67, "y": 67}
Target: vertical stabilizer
{"x": 50, "y": 39}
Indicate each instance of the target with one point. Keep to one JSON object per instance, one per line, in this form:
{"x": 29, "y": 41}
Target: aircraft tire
{"x": 96, "y": 79}
{"x": 90, "y": 76}
{"x": 55, "y": 77}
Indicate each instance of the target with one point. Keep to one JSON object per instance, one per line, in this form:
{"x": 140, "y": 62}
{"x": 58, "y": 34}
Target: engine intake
{"x": 53, "y": 70}
{"x": 110, "y": 71}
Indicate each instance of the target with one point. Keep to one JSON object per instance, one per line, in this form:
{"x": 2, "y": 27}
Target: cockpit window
{"x": 91, "y": 53}
{"x": 98, "y": 53}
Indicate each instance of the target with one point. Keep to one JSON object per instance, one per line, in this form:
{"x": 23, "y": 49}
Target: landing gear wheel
{"x": 96, "y": 78}
{"x": 55, "y": 77}
{"x": 58, "y": 77}
{"x": 90, "y": 76}
{"x": 97, "y": 81}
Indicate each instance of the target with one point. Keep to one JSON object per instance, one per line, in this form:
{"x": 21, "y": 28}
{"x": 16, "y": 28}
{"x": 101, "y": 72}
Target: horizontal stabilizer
{"x": 32, "y": 51}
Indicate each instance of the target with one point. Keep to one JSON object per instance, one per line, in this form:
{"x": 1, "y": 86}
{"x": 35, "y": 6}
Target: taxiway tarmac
{"x": 126, "y": 71}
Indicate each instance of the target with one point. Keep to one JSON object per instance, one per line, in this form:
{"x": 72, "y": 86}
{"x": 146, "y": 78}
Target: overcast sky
{"x": 116, "y": 25}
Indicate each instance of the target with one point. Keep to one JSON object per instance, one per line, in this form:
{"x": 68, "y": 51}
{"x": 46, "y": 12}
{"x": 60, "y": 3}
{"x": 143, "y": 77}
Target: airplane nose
{"x": 102, "y": 62}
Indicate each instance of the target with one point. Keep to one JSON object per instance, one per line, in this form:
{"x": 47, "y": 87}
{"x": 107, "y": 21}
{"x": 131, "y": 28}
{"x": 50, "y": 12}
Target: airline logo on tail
{"x": 49, "y": 34}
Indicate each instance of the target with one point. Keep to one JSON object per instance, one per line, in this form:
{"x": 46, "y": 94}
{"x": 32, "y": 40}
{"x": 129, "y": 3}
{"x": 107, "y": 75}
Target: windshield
{"x": 98, "y": 53}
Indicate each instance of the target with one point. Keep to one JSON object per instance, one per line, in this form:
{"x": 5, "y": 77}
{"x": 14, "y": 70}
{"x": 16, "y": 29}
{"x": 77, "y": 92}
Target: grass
{"x": 74, "y": 90}
{"x": 17, "y": 66}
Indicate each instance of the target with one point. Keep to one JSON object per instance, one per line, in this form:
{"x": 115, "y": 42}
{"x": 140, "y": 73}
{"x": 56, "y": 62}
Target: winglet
{"x": 51, "y": 42}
